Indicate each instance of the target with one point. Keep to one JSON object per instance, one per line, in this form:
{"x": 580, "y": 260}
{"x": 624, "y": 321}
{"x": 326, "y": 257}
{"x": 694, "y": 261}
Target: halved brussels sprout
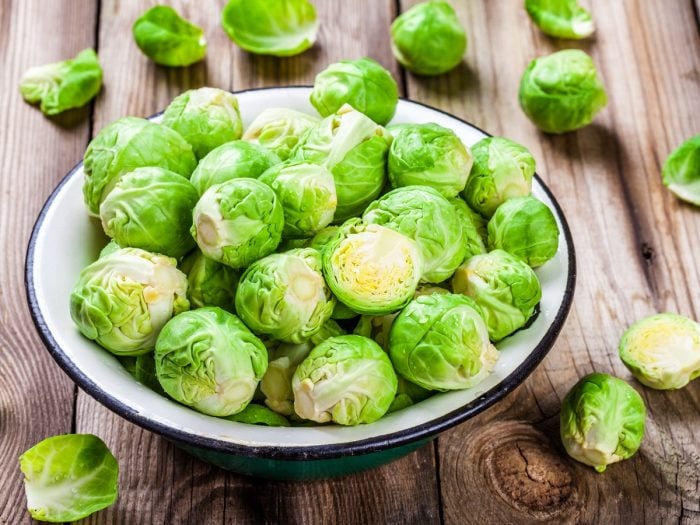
{"x": 208, "y": 359}
{"x": 662, "y": 351}
{"x": 681, "y": 171}
{"x": 151, "y": 209}
{"x": 525, "y": 227}
{"x": 232, "y": 160}
{"x": 167, "y": 38}
{"x": 440, "y": 342}
{"x": 429, "y": 155}
{"x": 276, "y": 384}
{"x": 506, "y": 289}
{"x": 205, "y": 117}
{"x": 346, "y": 379}
{"x": 372, "y": 269}
{"x": 123, "y": 299}
{"x": 422, "y": 214}
{"x": 284, "y": 296}
{"x": 127, "y": 144}
{"x": 602, "y": 421}
{"x": 259, "y": 415}
{"x": 306, "y": 192}
{"x": 209, "y": 283}
{"x": 64, "y": 85}
{"x": 562, "y": 92}
{"x": 271, "y": 27}
{"x": 473, "y": 228}
{"x": 561, "y": 18}
{"x": 428, "y": 38}
{"x": 238, "y": 222}
{"x": 502, "y": 170}
{"x": 362, "y": 83}
{"x": 354, "y": 149}
{"x": 279, "y": 129}
{"x": 407, "y": 394}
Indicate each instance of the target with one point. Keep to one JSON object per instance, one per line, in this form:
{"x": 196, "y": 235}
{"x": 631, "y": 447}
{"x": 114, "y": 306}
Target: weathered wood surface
{"x": 638, "y": 252}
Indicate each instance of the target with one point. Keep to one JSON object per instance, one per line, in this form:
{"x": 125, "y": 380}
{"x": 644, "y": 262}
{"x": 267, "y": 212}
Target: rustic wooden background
{"x": 638, "y": 252}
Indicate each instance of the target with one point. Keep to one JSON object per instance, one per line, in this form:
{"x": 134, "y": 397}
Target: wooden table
{"x": 638, "y": 252}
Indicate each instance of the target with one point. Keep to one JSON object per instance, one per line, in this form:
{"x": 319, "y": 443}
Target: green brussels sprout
{"x": 145, "y": 372}
{"x": 323, "y": 237}
{"x": 372, "y": 269}
{"x": 354, "y": 149}
{"x": 205, "y": 117}
{"x": 127, "y": 144}
{"x": 681, "y": 171}
{"x": 255, "y": 414}
{"x": 662, "y": 351}
{"x": 561, "y": 18}
{"x": 505, "y": 287}
{"x": 502, "y": 170}
{"x": 525, "y": 227}
{"x": 328, "y": 329}
{"x": 440, "y": 342}
{"x": 151, "y": 209}
{"x": 207, "y": 359}
{"x": 428, "y": 38}
{"x": 122, "y": 300}
{"x": 292, "y": 244}
{"x": 232, "y": 160}
{"x": 276, "y": 384}
{"x": 167, "y": 38}
{"x": 342, "y": 312}
{"x": 238, "y": 222}
{"x": 209, "y": 283}
{"x": 284, "y": 296}
{"x": 602, "y": 421}
{"x": 422, "y": 214}
{"x": 407, "y": 394}
{"x": 128, "y": 362}
{"x": 279, "y": 129}
{"x": 68, "y": 477}
{"x": 346, "y": 379}
{"x": 64, "y": 85}
{"x": 473, "y": 228}
{"x": 307, "y": 194}
{"x": 562, "y": 92}
{"x": 429, "y": 155}
{"x": 271, "y": 27}
{"x": 362, "y": 83}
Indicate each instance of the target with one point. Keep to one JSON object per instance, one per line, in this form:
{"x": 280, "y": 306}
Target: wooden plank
{"x": 36, "y": 398}
{"x": 637, "y": 251}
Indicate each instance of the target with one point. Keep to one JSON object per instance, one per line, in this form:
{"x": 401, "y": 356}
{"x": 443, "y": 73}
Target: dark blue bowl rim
{"x": 375, "y": 444}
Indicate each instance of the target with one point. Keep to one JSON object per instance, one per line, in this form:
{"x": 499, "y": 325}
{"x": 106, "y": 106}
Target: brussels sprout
{"x": 681, "y": 171}
{"x": 343, "y": 312}
{"x": 362, "y": 83}
{"x": 232, "y": 160}
{"x": 329, "y": 329}
{"x": 506, "y": 289}
{"x": 279, "y": 129}
{"x": 271, "y": 27}
{"x": 428, "y": 38}
{"x": 662, "y": 351}
{"x": 208, "y": 359}
{"x": 602, "y": 421}
{"x": 473, "y": 228}
{"x": 63, "y": 85}
{"x": 276, "y": 384}
{"x": 372, "y": 269}
{"x": 562, "y": 92}
{"x": 293, "y": 244}
{"x": 354, "y": 150}
{"x": 145, "y": 372}
{"x": 123, "y": 299}
{"x": 284, "y": 296}
{"x": 407, "y": 394}
{"x": 127, "y": 144}
{"x": 205, "y": 117}
{"x": 259, "y": 415}
{"x": 151, "y": 209}
{"x": 561, "y": 18}
{"x": 238, "y": 222}
{"x": 307, "y": 194}
{"x": 347, "y": 379}
{"x": 68, "y": 477}
{"x": 167, "y": 38}
{"x": 422, "y": 214}
{"x": 525, "y": 227}
{"x": 440, "y": 342}
{"x": 323, "y": 237}
{"x": 502, "y": 170}
{"x": 376, "y": 327}
{"x": 209, "y": 283}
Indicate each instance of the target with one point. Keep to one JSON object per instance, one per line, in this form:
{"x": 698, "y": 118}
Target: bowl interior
{"x": 65, "y": 240}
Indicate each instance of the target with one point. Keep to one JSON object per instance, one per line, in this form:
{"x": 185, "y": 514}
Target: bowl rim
{"x": 407, "y": 436}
